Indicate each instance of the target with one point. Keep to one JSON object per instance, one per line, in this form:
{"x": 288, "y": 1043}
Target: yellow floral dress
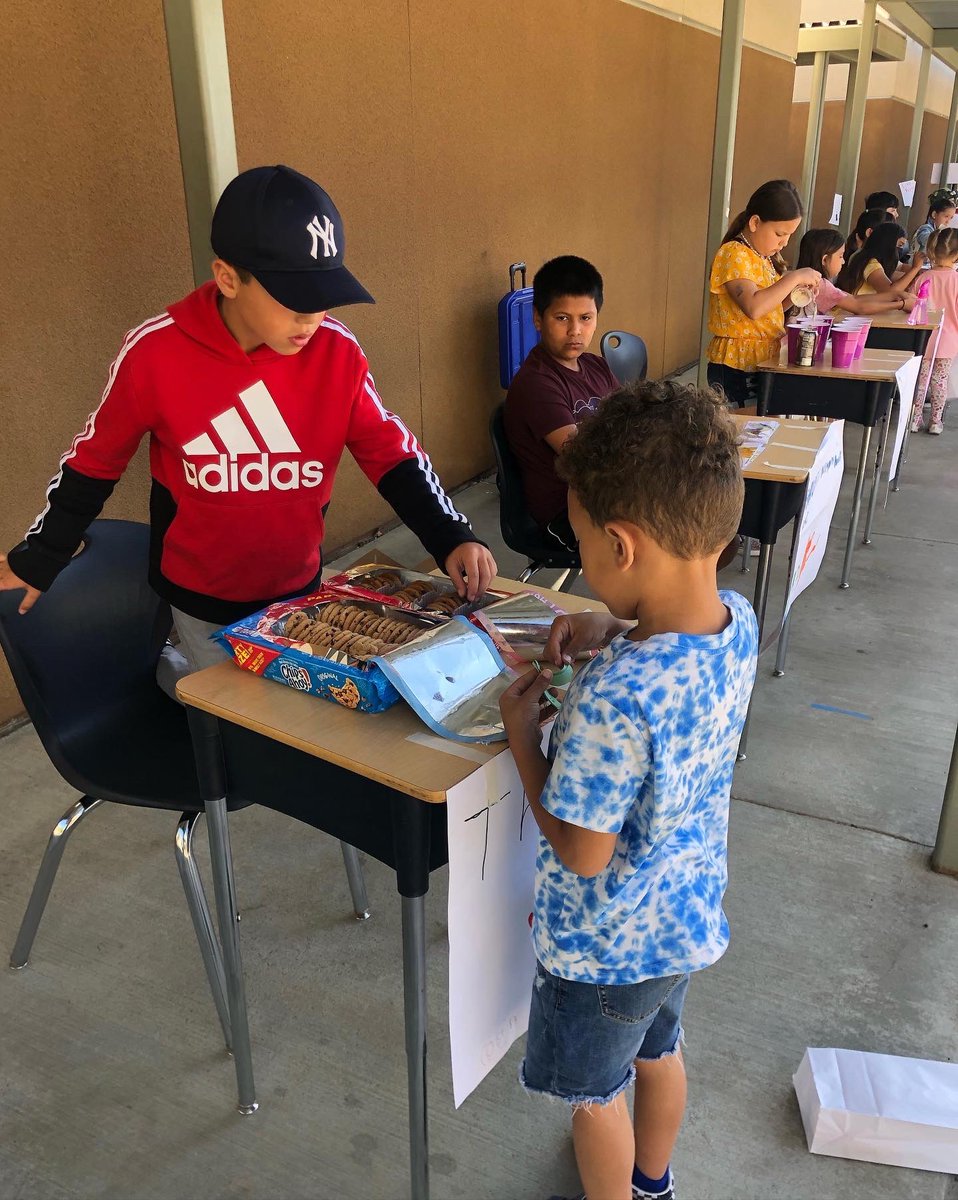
{"x": 737, "y": 340}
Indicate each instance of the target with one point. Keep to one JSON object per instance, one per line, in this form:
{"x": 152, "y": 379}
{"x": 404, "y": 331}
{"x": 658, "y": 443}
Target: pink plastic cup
{"x": 864, "y": 330}
{"x": 844, "y": 342}
{"x": 793, "y": 332}
{"x": 822, "y": 327}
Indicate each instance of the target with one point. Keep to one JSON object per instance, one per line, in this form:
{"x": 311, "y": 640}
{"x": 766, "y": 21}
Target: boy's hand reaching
{"x": 523, "y": 705}
{"x": 471, "y": 568}
{"x": 10, "y": 582}
{"x": 576, "y": 633}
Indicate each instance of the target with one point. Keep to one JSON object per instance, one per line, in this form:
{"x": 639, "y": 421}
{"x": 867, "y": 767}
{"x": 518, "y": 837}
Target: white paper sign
{"x": 952, "y": 173}
{"x": 821, "y": 496}
{"x": 493, "y": 839}
{"x": 907, "y": 189}
{"x": 880, "y": 1108}
{"x": 907, "y": 376}
{"x": 836, "y": 210}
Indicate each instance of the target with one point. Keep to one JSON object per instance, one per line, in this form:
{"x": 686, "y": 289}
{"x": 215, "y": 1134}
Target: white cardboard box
{"x": 880, "y": 1108}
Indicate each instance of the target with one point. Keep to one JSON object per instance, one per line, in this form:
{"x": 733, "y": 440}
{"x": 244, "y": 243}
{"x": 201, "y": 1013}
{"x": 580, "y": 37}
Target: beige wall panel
{"x": 554, "y": 149}
{"x": 761, "y": 135}
{"x": 933, "y": 131}
{"x": 331, "y": 97}
{"x": 885, "y": 139}
{"x": 94, "y": 232}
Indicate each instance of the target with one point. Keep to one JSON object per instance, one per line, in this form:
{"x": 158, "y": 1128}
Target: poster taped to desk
{"x": 880, "y": 1108}
{"x": 821, "y": 496}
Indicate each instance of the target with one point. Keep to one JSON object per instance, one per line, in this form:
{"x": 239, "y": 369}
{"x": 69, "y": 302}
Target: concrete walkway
{"x": 113, "y": 1082}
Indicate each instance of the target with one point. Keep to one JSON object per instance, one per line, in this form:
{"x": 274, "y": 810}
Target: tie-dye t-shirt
{"x": 645, "y": 747}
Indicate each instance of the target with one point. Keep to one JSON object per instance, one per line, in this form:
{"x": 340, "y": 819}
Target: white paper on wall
{"x": 907, "y": 189}
{"x": 493, "y": 839}
{"x": 836, "y": 210}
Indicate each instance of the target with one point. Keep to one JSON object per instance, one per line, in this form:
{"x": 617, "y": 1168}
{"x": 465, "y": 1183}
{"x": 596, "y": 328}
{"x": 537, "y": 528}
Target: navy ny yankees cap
{"x": 285, "y": 230}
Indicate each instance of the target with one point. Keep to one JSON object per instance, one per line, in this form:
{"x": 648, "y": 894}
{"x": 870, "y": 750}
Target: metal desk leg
{"x": 414, "y": 1003}
{"x": 746, "y": 552}
{"x": 856, "y": 506}
{"x": 779, "y": 670}
{"x": 760, "y": 599}
{"x": 876, "y": 479}
{"x": 223, "y": 886}
{"x": 758, "y": 604}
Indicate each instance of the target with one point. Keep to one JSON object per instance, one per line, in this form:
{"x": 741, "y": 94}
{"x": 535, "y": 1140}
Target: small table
{"x": 400, "y": 820}
{"x": 891, "y": 331}
{"x": 861, "y": 393}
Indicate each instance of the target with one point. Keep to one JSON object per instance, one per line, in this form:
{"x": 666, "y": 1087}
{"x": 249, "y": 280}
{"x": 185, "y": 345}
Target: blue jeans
{"x": 584, "y": 1037}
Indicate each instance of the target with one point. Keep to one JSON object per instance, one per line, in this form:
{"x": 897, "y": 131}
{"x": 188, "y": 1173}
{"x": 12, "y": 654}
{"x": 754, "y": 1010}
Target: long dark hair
{"x": 883, "y": 245}
{"x": 776, "y": 200}
{"x": 938, "y": 206}
{"x": 816, "y": 246}
{"x": 871, "y": 218}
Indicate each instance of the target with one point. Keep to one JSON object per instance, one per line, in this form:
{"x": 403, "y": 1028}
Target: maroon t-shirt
{"x": 545, "y": 396}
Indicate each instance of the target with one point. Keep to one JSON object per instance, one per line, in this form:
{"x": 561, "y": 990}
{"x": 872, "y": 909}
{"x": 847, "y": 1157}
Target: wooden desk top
{"x": 875, "y": 365}
{"x": 789, "y": 453}
{"x": 374, "y": 745}
{"x": 898, "y": 319}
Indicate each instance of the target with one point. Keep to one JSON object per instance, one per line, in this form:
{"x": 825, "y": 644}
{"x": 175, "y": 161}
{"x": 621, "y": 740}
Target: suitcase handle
{"x": 514, "y": 267}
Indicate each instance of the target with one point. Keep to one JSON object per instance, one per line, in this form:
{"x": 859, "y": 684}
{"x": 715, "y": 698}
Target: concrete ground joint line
{"x": 796, "y": 812}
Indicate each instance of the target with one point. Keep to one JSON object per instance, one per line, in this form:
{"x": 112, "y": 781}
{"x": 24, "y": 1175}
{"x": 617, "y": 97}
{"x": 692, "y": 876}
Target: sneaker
{"x": 935, "y": 427}
{"x": 668, "y": 1194}
{"x": 917, "y": 426}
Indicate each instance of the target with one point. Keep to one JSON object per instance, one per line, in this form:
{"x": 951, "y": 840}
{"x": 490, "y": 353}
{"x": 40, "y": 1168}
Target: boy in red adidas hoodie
{"x": 250, "y": 391}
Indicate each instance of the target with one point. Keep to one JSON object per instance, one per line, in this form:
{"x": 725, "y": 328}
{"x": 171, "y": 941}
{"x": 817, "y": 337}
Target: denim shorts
{"x": 584, "y": 1037}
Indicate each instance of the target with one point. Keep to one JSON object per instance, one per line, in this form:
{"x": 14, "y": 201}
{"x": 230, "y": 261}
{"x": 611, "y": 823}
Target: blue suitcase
{"x": 517, "y": 333}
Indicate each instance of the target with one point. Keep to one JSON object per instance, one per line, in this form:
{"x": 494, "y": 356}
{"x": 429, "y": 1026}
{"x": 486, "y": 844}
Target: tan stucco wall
{"x": 452, "y": 147}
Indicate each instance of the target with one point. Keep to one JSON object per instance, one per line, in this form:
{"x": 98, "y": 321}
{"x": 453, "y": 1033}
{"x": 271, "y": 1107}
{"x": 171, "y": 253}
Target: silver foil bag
{"x": 452, "y": 677}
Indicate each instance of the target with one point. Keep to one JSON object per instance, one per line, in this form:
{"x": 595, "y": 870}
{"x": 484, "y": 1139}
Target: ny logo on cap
{"x": 325, "y": 232}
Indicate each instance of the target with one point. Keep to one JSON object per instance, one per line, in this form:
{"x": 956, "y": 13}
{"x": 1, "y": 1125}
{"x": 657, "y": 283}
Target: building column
{"x": 199, "y": 70}
{"x": 813, "y": 135}
{"x": 854, "y": 122}
{"x": 945, "y": 855}
{"x": 723, "y": 148}
{"x": 917, "y": 121}
{"x": 947, "y": 154}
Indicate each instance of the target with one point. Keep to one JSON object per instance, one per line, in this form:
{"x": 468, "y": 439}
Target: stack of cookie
{"x": 350, "y": 629}
{"x": 413, "y": 591}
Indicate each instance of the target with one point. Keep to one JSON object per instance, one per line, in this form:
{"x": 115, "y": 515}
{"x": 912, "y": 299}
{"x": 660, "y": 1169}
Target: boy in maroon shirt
{"x": 557, "y": 385}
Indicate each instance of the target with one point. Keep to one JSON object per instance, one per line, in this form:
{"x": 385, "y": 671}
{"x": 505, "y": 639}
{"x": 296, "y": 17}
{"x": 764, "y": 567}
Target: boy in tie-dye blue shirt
{"x": 645, "y": 748}
{"x": 632, "y": 800}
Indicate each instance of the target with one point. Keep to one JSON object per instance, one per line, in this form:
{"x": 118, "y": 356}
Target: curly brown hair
{"x": 665, "y": 457}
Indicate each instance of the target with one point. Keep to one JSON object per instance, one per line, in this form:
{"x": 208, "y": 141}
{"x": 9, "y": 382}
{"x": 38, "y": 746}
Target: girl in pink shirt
{"x": 942, "y": 249}
{"x": 824, "y": 250}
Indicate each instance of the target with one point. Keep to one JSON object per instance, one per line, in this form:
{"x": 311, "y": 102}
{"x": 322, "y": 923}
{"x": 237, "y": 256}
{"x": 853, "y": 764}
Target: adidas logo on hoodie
{"x": 227, "y": 472}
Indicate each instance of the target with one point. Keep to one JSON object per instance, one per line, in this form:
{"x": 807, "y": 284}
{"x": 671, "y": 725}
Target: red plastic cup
{"x": 844, "y": 342}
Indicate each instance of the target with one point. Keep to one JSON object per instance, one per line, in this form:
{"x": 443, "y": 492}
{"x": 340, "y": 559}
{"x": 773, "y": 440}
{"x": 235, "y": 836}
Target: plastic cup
{"x": 821, "y": 339}
{"x": 864, "y": 330}
{"x": 844, "y": 342}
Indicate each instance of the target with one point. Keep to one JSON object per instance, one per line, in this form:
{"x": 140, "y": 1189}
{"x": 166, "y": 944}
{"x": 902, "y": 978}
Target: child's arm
{"x": 573, "y": 634}
{"x": 879, "y": 303}
{"x": 758, "y": 302}
{"x": 897, "y": 287}
{"x": 88, "y": 473}
{"x": 584, "y": 851}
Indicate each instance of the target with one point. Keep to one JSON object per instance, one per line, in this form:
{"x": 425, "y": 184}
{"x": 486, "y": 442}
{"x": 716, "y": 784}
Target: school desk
{"x": 775, "y": 482}
{"x": 369, "y": 786}
{"x": 861, "y": 394}
{"x": 892, "y": 331}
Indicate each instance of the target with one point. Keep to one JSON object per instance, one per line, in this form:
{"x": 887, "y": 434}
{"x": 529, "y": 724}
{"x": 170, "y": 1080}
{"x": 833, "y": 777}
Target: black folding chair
{"x": 519, "y": 531}
{"x": 84, "y": 661}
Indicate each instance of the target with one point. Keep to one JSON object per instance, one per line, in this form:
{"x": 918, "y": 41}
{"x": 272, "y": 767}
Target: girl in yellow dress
{"x": 748, "y": 287}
